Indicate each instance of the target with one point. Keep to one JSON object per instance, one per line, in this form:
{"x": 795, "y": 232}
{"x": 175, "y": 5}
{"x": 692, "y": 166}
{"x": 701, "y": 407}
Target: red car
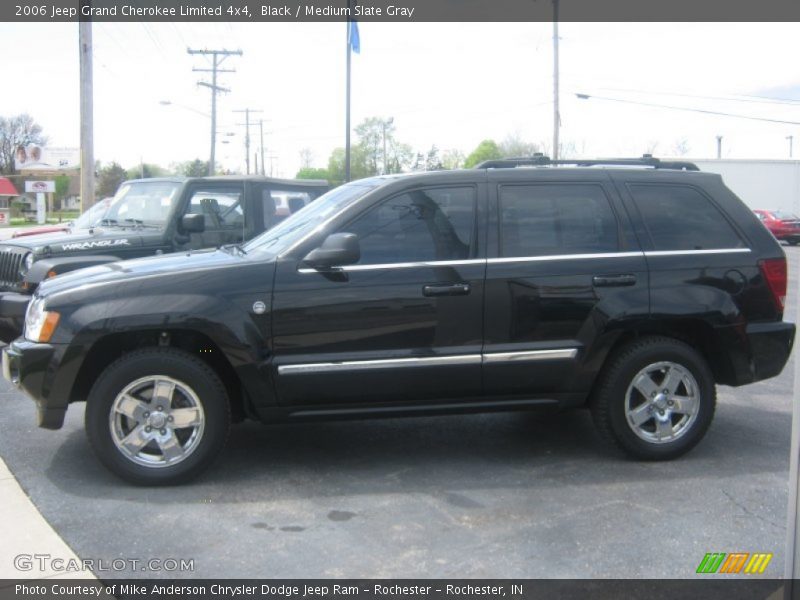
{"x": 784, "y": 226}
{"x": 86, "y": 220}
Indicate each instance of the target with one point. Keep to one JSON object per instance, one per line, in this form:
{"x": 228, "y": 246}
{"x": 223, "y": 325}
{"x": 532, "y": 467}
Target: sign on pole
{"x": 40, "y": 187}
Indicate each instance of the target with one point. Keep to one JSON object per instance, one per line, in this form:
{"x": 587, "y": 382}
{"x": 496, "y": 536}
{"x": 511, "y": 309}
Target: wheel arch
{"x": 112, "y": 346}
{"x": 696, "y": 333}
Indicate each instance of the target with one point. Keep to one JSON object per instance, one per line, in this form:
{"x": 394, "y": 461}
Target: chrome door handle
{"x": 446, "y": 289}
{"x": 614, "y": 280}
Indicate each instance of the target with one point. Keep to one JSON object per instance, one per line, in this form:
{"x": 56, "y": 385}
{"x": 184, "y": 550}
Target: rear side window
{"x": 552, "y": 219}
{"x": 679, "y": 217}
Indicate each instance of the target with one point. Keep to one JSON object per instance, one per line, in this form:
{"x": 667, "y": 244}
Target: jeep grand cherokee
{"x": 632, "y": 291}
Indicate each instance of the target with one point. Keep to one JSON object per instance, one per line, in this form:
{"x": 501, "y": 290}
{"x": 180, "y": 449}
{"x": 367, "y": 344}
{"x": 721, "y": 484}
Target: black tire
{"x": 793, "y": 242}
{"x": 191, "y": 374}
{"x": 608, "y": 401}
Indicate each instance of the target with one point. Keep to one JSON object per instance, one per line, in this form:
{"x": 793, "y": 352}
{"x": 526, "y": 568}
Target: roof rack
{"x": 540, "y": 160}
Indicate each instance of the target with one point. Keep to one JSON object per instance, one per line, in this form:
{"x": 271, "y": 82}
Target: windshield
{"x": 92, "y": 216}
{"x": 304, "y": 221}
{"x": 784, "y": 216}
{"x": 142, "y": 203}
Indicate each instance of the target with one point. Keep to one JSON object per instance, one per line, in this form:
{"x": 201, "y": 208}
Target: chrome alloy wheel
{"x": 157, "y": 421}
{"x": 662, "y": 402}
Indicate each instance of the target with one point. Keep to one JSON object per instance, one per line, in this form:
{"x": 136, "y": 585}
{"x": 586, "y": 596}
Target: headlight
{"x": 27, "y": 263}
{"x": 40, "y": 323}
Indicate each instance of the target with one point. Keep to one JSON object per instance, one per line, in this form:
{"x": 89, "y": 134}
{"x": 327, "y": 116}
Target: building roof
{"x": 7, "y": 188}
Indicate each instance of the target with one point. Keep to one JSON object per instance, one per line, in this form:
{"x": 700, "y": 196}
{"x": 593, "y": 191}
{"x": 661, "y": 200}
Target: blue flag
{"x": 355, "y": 41}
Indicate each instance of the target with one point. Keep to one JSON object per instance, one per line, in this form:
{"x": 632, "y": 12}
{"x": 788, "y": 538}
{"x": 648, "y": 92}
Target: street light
{"x": 183, "y": 106}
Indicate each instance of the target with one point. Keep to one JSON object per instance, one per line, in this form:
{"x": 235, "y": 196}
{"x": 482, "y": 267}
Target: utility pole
{"x": 719, "y": 146}
{"x": 87, "y": 115}
{"x": 246, "y": 124}
{"x": 261, "y": 129}
{"x": 556, "y": 113}
{"x": 385, "y": 124}
{"x": 217, "y": 56}
{"x": 791, "y": 145}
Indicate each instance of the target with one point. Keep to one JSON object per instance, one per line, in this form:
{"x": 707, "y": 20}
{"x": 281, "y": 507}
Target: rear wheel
{"x": 656, "y": 399}
{"x": 158, "y": 416}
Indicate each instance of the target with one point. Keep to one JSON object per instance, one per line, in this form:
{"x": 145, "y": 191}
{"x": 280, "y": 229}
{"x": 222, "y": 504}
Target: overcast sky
{"x": 448, "y": 84}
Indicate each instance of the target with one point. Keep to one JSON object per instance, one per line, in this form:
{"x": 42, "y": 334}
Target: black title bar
{"x": 398, "y": 10}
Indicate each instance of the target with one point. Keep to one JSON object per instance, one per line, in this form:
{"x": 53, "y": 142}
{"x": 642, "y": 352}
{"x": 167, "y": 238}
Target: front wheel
{"x": 656, "y": 399}
{"x": 157, "y": 417}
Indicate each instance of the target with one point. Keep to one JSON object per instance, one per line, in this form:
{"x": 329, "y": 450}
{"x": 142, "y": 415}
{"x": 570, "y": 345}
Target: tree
{"x": 513, "y": 146}
{"x": 306, "y": 158}
{"x": 681, "y": 147}
{"x": 192, "y": 168}
{"x": 16, "y": 131}
{"x": 62, "y": 188}
{"x": 358, "y": 165}
{"x": 486, "y": 150}
{"x": 109, "y": 179}
{"x": 452, "y": 159}
{"x": 147, "y": 171}
{"x": 312, "y": 173}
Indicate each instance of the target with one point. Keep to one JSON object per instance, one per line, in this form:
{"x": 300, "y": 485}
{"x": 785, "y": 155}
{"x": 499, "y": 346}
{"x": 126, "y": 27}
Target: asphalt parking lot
{"x": 507, "y": 495}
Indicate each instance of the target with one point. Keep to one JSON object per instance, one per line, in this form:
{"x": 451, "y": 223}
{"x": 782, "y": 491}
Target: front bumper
{"x": 34, "y": 368}
{"x": 12, "y": 315}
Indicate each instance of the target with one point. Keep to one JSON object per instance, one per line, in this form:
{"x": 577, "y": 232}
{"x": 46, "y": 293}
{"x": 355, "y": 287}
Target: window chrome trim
{"x": 689, "y": 252}
{"x": 550, "y": 257}
{"x": 529, "y": 355}
{"x": 428, "y": 361}
{"x": 519, "y": 259}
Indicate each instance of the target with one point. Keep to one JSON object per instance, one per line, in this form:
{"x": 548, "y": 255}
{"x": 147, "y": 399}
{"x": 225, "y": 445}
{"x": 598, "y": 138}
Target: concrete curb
{"x": 25, "y": 532}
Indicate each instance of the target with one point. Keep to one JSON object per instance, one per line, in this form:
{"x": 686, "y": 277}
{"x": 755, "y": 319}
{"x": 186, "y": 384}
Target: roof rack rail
{"x": 539, "y": 160}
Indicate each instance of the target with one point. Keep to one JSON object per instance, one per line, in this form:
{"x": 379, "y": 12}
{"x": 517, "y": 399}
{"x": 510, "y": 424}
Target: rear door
{"x": 565, "y": 263}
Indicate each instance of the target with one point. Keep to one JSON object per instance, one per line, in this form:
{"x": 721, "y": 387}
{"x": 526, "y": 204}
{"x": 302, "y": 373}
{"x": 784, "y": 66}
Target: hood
{"x": 94, "y": 240}
{"x": 165, "y": 265}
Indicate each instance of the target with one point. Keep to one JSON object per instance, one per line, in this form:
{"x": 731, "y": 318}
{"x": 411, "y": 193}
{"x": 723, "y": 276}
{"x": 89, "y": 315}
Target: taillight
{"x": 774, "y": 271}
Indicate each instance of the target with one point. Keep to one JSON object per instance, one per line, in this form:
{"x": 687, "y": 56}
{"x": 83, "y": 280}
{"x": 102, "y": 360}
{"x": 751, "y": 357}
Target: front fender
{"x": 41, "y": 269}
{"x": 238, "y": 333}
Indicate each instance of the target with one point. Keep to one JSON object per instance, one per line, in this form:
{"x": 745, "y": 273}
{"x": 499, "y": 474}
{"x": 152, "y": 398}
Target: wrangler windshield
{"x": 304, "y": 221}
{"x": 142, "y": 203}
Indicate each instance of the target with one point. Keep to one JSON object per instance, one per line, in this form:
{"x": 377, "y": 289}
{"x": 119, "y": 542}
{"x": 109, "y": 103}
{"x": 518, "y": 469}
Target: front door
{"x": 404, "y": 324}
{"x": 223, "y": 210}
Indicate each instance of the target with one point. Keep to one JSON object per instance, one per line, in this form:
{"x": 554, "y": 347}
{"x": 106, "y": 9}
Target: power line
{"x": 743, "y": 98}
{"x": 687, "y": 109}
{"x": 217, "y": 57}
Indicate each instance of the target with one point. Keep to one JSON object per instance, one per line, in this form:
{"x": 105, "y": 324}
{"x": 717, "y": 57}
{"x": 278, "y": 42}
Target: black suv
{"x": 632, "y": 291}
{"x": 147, "y": 217}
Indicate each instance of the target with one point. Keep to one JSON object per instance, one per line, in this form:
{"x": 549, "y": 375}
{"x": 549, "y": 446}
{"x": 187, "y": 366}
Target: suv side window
{"x": 279, "y": 204}
{"x": 221, "y": 209}
{"x": 679, "y": 217}
{"x": 422, "y": 225}
{"x": 552, "y": 219}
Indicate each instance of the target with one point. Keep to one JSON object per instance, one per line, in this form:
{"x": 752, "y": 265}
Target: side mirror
{"x": 193, "y": 223}
{"x": 338, "y": 249}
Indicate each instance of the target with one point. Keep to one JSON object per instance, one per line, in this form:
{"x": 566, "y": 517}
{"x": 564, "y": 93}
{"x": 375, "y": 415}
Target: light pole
{"x": 791, "y": 145}
{"x": 719, "y": 146}
{"x": 386, "y": 124}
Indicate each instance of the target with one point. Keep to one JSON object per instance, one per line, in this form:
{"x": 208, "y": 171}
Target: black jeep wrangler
{"x": 147, "y": 217}
{"x": 632, "y": 291}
